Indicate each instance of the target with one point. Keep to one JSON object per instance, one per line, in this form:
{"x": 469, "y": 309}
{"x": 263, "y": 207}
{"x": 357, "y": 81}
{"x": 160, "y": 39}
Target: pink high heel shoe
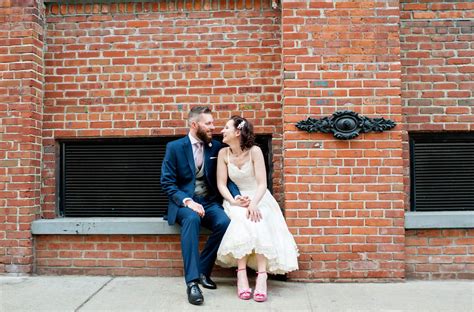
{"x": 260, "y": 296}
{"x": 244, "y": 293}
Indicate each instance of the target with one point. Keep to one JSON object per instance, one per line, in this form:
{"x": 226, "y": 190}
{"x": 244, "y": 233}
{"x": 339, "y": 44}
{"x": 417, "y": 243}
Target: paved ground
{"x": 87, "y": 293}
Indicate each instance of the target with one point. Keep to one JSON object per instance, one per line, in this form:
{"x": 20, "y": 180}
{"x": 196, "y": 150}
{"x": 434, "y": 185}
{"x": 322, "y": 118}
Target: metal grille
{"x": 442, "y": 171}
{"x": 119, "y": 177}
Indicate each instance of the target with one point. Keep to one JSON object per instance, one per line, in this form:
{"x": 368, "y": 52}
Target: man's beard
{"x": 202, "y": 135}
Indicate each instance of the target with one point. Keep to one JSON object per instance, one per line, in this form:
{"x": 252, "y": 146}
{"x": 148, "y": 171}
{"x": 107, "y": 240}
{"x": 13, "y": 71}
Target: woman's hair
{"x": 247, "y": 137}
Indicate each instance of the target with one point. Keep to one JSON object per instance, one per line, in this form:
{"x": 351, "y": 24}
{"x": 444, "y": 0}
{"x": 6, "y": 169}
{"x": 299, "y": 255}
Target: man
{"x": 188, "y": 177}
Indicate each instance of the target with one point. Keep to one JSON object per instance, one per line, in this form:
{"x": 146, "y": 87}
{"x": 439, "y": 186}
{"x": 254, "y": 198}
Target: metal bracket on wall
{"x": 345, "y": 125}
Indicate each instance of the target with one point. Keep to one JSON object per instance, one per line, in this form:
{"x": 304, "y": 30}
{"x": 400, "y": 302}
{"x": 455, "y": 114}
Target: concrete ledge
{"x": 158, "y": 226}
{"x": 439, "y": 220}
{"x": 90, "y": 226}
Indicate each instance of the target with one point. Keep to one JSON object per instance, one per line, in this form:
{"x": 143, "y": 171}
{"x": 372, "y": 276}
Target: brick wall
{"x": 437, "y": 58}
{"x": 117, "y": 255}
{"x": 440, "y": 254}
{"x": 134, "y": 69}
{"x": 109, "y": 255}
{"x": 128, "y": 70}
{"x": 21, "y": 93}
{"x": 343, "y": 199}
{"x": 437, "y": 93}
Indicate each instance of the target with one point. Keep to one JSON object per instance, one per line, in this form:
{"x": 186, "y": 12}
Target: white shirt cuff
{"x": 184, "y": 201}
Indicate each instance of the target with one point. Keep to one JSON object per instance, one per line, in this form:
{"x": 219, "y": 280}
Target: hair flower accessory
{"x": 241, "y": 125}
{"x": 210, "y": 144}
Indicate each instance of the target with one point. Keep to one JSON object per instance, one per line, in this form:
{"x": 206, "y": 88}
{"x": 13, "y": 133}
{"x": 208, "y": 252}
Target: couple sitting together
{"x": 224, "y": 189}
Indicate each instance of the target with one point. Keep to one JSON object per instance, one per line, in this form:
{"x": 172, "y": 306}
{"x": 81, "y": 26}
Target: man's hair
{"x": 196, "y": 111}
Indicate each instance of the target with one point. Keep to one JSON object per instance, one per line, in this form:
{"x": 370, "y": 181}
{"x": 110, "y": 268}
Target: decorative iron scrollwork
{"x": 345, "y": 125}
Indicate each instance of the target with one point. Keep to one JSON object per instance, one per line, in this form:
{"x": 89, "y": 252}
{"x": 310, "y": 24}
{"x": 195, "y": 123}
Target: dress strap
{"x": 250, "y": 154}
{"x": 228, "y": 155}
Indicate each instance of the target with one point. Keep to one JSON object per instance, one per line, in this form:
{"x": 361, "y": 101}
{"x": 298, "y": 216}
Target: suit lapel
{"x": 188, "y": 151}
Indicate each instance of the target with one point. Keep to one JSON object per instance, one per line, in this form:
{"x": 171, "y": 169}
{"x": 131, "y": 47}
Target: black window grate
{"x": 442, "y": 171}
{"x": 112, "y": 178}
{"x": 118, "y": 177}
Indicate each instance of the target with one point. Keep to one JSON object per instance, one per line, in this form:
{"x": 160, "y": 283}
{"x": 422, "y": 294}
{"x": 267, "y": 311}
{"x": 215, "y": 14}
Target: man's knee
{"x": 192, "y": 220}
{"x": 222, "y": 224}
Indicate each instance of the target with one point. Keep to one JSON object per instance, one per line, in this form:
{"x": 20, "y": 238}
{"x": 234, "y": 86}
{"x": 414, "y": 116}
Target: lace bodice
{"x": 243, "y": 177}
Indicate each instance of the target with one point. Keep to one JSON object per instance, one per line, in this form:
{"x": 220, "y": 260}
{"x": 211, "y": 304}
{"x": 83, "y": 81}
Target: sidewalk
{"x": 89, "y": 293}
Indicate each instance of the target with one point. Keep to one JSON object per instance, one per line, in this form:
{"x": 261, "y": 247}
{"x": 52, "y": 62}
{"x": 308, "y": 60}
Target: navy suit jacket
{"x": 178, "y": 174}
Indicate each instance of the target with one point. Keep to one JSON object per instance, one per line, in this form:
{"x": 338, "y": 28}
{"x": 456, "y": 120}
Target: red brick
{"x": 360, "y": 190}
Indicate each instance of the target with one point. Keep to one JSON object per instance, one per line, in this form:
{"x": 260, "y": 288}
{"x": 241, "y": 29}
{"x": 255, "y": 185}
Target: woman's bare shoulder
{"x": 222, "y": 153}
{"x": 255, "y": 150}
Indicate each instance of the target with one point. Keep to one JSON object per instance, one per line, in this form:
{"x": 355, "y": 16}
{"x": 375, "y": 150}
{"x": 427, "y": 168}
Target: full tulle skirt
{"x": 269, "y": 237}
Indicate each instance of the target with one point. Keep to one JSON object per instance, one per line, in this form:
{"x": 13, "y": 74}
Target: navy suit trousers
{"x": 217, "y": 221}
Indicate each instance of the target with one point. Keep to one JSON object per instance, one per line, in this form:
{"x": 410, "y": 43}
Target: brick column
{"x": 344, "y": 199}
{"x": 21, "y": 89}
{"x": 437, "y": 91}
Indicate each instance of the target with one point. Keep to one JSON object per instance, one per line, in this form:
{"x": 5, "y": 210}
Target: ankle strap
{"x": 244, "y": 269}
{"x": 263, "y": 272}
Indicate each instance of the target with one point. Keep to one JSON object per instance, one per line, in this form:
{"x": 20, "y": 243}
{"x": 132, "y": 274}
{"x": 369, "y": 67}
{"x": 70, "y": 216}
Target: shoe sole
{"x": 196, "y": 303}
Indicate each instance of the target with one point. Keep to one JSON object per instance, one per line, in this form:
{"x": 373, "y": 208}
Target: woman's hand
{"x": 253, "y": 213}
{"x": 242, "y": 201}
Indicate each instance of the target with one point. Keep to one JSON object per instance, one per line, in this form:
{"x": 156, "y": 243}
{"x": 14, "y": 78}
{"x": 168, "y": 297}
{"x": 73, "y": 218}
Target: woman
{"x": 257, "y": 236}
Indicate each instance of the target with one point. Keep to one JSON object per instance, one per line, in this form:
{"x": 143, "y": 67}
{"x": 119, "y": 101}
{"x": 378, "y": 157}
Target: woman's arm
{"x": 260, "y": 174}
{"x": 254, "y": 213}
{"x": 222, "y": 176}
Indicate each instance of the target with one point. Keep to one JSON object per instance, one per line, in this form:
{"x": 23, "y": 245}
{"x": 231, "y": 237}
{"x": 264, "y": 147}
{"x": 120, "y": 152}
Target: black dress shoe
{"x": 206, "y": 282}
{"x": 194, "y": 294}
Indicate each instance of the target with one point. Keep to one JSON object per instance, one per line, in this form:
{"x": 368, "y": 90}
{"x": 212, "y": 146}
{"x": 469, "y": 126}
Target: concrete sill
{"x": 158, "y": 226}
{"x": 91, "y": 226}
{"x": 439, "y": 220}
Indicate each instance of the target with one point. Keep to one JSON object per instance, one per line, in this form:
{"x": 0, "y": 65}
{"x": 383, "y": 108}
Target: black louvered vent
{"x": 442, "y": 171}
{"x": 113, "y": 178}
{"x": 119, "y": 177}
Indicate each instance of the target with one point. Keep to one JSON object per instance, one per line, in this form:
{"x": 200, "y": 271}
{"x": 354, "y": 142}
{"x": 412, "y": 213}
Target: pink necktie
{"x": 199, "y": 155}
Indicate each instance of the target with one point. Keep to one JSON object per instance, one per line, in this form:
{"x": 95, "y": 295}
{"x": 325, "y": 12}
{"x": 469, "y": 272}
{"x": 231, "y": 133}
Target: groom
{"x": 188, "y": 177}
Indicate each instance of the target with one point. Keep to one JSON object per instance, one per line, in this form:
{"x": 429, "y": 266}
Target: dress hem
{"x": 272, "y": 268}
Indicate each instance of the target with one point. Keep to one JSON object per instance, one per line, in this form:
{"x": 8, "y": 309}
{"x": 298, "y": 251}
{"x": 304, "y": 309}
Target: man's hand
{"x": 198, "y": 208}
{"x": 242, "y": 201}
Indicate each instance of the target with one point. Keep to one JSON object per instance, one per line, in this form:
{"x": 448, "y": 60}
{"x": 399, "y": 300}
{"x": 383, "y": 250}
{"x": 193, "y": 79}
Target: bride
{"x": 257, "y": 236}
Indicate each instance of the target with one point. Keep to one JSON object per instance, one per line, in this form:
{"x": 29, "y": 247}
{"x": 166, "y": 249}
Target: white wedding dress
{"x": 269, "y": 237}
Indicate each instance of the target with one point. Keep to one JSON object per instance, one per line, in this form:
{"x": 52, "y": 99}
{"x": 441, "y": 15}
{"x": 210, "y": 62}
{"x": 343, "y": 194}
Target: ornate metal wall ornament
{"x": 345, "y": 125}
